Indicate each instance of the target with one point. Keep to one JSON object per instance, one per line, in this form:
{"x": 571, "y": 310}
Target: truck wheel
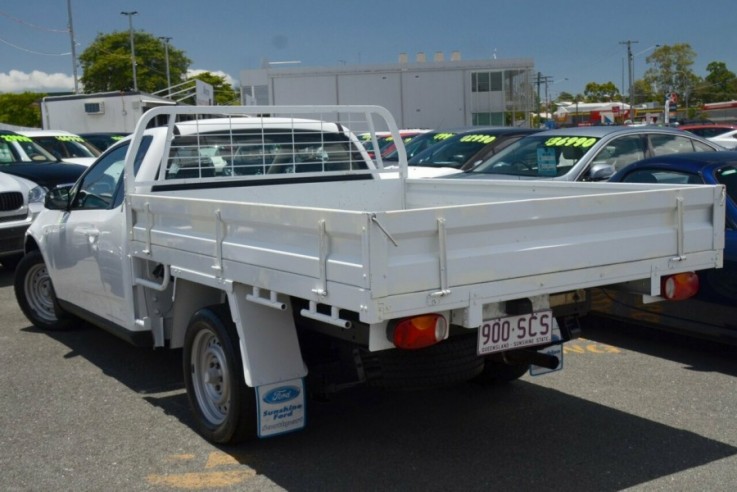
{"x": 224, "y": 407}
{"x": 35, "y": 294}
{"x": 499, "y": 372}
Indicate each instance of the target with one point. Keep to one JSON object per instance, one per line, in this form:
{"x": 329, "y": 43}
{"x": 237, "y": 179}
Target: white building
{"x": 421, "y": 94}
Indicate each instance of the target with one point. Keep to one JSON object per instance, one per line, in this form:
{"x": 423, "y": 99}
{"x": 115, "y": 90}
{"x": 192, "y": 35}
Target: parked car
{"x": 708, "y": 130}
{"x": 584, "y": 153}
{"x": 39, "y": 166}
{"x": 420, "y": 143}
{"x": 712, "y": 313}
{"x": 728, "y": 139}
{"x": 385, "y": 141}
{"x": 19, "y": 148}
{"x": 65, "y": 145}
{"x": 465, "y": 149}
{"x": 103, "y": 140}
{"x": 20, "y": 202}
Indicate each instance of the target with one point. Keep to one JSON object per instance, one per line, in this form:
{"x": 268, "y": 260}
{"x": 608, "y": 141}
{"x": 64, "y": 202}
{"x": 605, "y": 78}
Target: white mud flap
{"x": 281, "y": 407}
{"x": 555, "y": 350}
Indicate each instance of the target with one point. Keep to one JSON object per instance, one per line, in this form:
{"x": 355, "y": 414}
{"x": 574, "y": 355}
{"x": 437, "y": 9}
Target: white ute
{"x": 267, "y": 248}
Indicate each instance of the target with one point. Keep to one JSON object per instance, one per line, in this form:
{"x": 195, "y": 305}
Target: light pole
{"x": 74, "y": 48}
{"x": 166, "y": 57}
{"x": 630, "y": 70}
{"x": 133, "y": 47}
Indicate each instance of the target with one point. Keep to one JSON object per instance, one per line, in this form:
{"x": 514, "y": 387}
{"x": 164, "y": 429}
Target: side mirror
{"x": 601, "y": 172}
{"x": 58, "y": 198}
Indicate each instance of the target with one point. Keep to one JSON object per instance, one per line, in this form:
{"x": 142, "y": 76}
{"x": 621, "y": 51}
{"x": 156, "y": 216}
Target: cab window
{"x": 101, "y": 187}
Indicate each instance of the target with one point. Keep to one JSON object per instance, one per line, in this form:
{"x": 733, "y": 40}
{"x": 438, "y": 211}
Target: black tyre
{"x": 499, "y": 372}
{"x": 35, "y": 294}
{"x": 224, "y": 407}
{"x": 450, "y": 362}
{"x": 10, "y": 262}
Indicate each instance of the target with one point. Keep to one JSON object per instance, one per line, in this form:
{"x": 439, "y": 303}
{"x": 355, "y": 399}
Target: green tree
{"x": 719, "y": 85}
{"x": 644, "y": 92}
{"x": 21, "y": 109}
{"x": 106, "y": 63}
{"x": 225, "y": 94}
{"x": 595, "y": 92}
{"x": 670, "y": 70}
{"x": 565, "y": 96}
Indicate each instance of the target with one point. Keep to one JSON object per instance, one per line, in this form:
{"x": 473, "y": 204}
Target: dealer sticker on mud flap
{"x": 281, "y": 407}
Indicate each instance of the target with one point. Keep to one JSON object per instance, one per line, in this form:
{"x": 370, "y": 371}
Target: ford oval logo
{"x": 281, "y": 394}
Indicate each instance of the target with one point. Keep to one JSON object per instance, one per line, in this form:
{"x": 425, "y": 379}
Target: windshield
{"x": 538, "y": 156}
{"x": 67, "y": 146}
{"x": 22, "y": 148}
{"x": 453, "y": 152}
{"x": 419, "y": 143}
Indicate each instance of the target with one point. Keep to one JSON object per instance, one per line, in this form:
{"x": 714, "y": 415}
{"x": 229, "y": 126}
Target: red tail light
{"x": 418, "y": 332}
{"x": 679, "y": 286}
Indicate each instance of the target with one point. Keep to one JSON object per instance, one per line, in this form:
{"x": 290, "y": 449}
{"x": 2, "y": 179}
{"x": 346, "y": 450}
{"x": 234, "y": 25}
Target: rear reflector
{"x": 679, "y": 286}
{"x": 418, "y": 332}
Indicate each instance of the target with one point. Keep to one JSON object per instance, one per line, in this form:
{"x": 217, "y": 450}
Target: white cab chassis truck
{"x": 267, "y": 244}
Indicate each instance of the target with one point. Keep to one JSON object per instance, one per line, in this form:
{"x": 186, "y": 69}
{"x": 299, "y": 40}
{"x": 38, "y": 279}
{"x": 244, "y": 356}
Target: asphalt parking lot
{"x": 633, "y": 410}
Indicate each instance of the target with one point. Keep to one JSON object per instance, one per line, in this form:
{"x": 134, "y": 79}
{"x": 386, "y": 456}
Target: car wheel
{"x": 35, "y": 294}
{"x": 224, "y": 407}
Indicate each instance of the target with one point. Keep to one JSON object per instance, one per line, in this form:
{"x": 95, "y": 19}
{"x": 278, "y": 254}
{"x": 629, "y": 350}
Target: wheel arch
{"x": 267, "y": 337}
{"x": 190, "y": 297}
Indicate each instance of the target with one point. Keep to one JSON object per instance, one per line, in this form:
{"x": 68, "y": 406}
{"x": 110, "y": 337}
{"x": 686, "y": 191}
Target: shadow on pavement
{"x": 696, "y": 353}
{"x": 516, "y": 437}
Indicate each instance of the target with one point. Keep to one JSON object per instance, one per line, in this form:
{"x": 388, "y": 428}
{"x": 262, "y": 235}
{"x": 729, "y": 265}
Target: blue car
{"x": 712, "y": 313}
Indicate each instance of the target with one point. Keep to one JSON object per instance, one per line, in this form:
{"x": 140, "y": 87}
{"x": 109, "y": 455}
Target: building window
{"x": 487, "y": 119}
{"x": 486, "y": 81}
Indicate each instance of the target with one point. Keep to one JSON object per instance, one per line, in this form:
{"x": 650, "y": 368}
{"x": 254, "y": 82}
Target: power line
{"x": 20, "y": 48}
{"x": 34, "y": 26}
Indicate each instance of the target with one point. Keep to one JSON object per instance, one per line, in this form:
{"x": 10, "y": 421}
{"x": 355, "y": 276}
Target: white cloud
{"x": 36, "y": 81}
{"x": 228, "y": 78}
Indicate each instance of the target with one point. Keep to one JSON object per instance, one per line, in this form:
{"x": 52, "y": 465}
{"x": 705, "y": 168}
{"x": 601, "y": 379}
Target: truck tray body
{"x": 455, "y": 245}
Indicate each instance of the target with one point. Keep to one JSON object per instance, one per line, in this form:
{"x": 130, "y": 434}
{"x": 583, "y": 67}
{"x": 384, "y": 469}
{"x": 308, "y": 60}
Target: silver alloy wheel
{"x": 39, "y": 292}
{"x": 210, "y": 377}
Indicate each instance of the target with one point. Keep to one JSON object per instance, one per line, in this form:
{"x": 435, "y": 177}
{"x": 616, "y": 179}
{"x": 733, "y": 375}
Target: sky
{"x": 571, "y": 42}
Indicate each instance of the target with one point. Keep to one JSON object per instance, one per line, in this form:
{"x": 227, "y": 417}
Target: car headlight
{"x": 37, "y": 194}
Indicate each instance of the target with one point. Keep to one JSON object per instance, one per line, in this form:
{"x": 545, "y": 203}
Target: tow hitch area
{"x": 526, "y": 356}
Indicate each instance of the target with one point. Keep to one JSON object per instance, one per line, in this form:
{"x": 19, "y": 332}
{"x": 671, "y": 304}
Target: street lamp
{"x": 133, "y": 47}
{"x": 166, "y": 56}
{"x": 74, "y": 48}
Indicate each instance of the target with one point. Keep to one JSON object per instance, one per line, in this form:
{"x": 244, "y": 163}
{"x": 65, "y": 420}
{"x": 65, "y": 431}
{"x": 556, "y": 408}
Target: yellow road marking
{"x": 220, "y": 459}
{"x": 582, "y": 346}
{"x": 205, "y": 480}
{"x": 236, "y": 473}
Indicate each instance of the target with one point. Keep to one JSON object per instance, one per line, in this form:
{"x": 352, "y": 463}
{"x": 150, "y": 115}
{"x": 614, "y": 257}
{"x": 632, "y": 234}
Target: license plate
{"x": 513, "y": 332}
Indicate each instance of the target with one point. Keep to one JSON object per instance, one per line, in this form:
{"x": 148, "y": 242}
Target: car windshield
{"x": 419, "y": 143}
{"x": 67, "y": 146}
{"x": 538, "y": 156}
{"x": 454, "y": 151}
{"x": 29, "y": 150}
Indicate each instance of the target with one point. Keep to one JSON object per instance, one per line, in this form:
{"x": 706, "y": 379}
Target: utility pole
{"x": 166, "y": 57}
{"x": 631, "y": 70}
{"x": 542, "y": 80}
{"x": 74, "y": 48}
{"x": 133, "y": 47}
